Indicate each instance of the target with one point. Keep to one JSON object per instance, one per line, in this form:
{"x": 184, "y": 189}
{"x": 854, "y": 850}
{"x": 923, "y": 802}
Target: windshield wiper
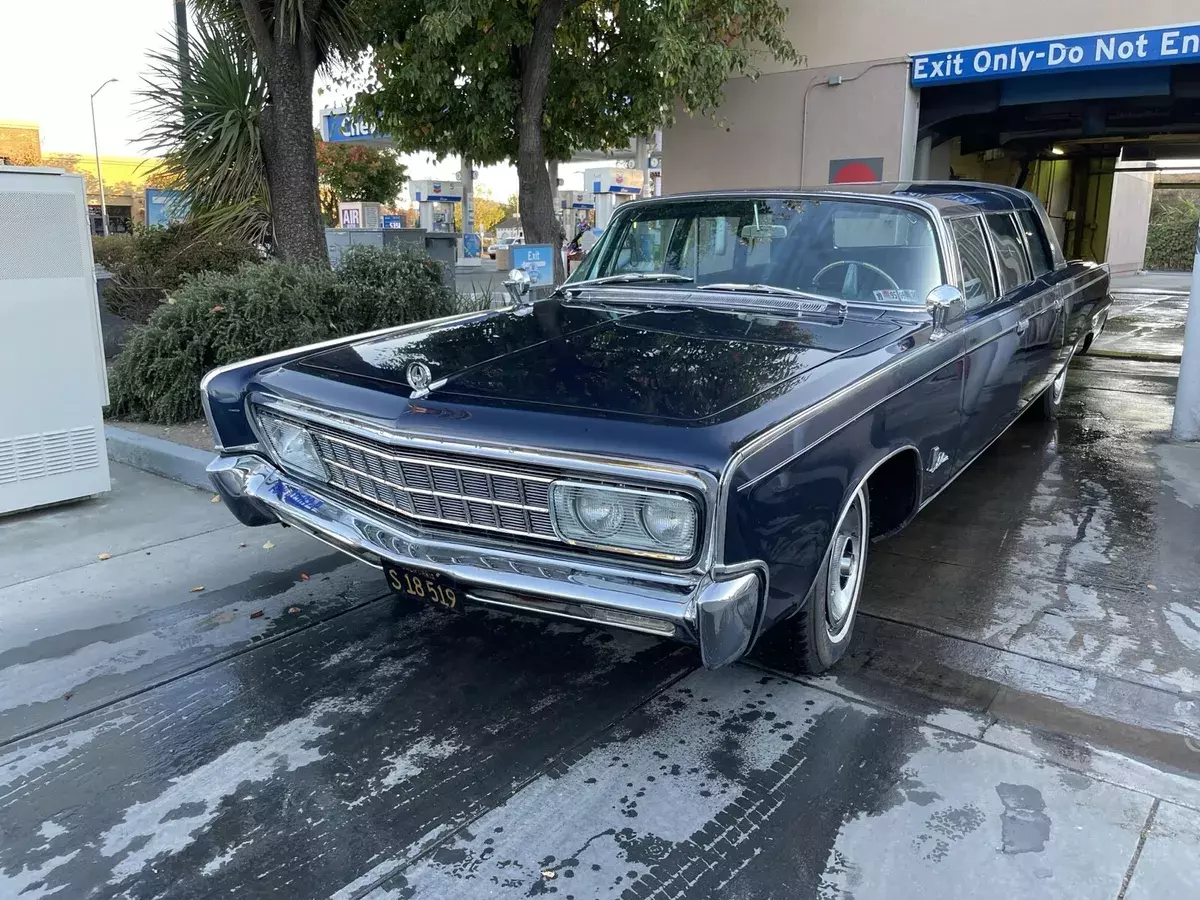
{"x": 761, "y": 289}
{"x": 627, "y": 277}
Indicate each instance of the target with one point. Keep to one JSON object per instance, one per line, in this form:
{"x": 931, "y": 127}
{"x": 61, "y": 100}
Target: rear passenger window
{"x": 979, "y": 287}
{"x": 1035, "y": 238}
{"x": 1011, "y": 263}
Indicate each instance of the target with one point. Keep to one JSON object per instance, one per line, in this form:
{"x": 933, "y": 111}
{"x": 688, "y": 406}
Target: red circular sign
{"x": 853, "y": 173}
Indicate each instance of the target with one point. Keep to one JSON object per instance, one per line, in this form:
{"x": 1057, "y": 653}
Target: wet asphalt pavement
{"x": 1019, "y": 716}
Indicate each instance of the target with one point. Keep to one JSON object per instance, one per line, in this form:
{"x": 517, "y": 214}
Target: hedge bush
{"x": 1171, "y": 236}
{"x": 148, "y": 265}
{"x": 218, "y": 318}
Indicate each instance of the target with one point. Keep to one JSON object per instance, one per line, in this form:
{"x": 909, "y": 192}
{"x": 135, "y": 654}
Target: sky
{"x": 58, "y": 53}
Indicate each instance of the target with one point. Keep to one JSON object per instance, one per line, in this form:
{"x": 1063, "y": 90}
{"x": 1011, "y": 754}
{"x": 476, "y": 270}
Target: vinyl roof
{"x": 949, "y": 197}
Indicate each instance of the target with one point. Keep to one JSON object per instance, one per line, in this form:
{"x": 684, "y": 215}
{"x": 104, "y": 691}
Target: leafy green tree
{"x": 237, "y": 128}
{"x": 357, "y": 173}
{"x": 535, "y": 80}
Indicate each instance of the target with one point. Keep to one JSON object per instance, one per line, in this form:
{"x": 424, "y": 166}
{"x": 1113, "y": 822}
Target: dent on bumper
{"x": 718, "y": 611}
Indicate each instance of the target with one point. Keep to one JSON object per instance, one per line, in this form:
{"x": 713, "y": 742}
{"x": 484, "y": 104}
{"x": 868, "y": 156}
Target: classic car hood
{"x": 668, "y": 363}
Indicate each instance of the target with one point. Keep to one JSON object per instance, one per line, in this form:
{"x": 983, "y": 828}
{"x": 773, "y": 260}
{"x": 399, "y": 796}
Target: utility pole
{"x": 181, "y": 41}
{"x": 96, "y": 146}
{"x": 1185, "y": 425}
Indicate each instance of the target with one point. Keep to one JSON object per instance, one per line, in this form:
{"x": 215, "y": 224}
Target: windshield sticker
{"x": 899, "y": 296}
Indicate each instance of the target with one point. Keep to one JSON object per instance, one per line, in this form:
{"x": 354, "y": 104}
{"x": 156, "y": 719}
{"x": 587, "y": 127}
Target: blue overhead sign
{"x": 343, "y": 128}
{"x": 1110, "y": 49}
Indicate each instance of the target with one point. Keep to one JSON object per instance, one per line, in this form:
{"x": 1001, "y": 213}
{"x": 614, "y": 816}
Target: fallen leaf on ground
{"x": 257, "y": 614}
{"x": 217, "y": 308}
{"x": 269, "y": 545}
{"x": 196, "y": 590}
{"x": 104, "y": 556}
{"x": 216, "y": 498}
{"x": 293, "y": 610}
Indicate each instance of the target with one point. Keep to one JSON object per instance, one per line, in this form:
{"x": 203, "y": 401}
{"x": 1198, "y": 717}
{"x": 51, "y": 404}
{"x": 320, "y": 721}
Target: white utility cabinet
{"x": 53, "y": 384}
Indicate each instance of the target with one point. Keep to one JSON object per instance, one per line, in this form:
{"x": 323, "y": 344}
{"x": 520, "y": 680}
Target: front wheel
{"x": 823, "y": 630}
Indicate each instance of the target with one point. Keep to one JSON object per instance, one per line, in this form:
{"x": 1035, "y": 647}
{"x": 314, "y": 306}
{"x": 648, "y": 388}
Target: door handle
{"x": 1022, "y": 326}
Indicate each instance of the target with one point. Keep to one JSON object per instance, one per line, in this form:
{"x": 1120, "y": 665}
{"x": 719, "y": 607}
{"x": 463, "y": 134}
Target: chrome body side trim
{"x": 657, "y": 601}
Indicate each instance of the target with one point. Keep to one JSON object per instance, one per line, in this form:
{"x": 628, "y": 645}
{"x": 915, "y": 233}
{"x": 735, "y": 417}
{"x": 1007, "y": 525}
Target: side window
{"x": 1010, "y": 252}
{"x": 979, "y": 286}
{"x": 1035, "y": 237}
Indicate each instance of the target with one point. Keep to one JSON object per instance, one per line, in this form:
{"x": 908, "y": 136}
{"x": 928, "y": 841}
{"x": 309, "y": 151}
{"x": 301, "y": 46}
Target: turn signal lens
{"x": 292, "y": 446}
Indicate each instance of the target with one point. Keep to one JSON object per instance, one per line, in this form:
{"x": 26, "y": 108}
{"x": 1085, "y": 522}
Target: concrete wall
{"x": 783, "y": 130}
{"x": 764, "y": 126}
{"x": 1129, "y": 220}
{"x": 856, "y": 30}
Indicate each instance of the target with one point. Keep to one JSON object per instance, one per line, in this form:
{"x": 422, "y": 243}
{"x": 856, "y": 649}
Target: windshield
{"x": 841, "y": 249}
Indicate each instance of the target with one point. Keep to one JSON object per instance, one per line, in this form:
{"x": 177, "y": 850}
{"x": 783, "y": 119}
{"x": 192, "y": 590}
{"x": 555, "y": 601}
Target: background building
{"x": 1048, "y": 96}
{"x": 126, "y": 178}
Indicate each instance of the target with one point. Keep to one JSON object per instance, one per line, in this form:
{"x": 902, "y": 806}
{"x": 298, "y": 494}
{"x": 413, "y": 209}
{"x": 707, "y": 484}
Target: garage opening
{"x": 1069, "y": 137}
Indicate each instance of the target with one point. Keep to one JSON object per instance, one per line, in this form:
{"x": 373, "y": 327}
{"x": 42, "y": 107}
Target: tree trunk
{"x": 535, "y": 192}
{"x": 289, "y": 150}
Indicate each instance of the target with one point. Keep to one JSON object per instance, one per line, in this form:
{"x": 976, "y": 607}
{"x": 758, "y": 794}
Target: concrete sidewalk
{"x": 1148, "y": 317}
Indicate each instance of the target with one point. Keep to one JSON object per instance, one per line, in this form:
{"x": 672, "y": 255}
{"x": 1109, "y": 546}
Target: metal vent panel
{"x": 39, "y": 236}
{"x": 31, "y": 456}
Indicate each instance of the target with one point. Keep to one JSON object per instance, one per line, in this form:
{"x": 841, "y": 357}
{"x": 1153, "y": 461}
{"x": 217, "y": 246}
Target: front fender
{"x": 787, "y": 518}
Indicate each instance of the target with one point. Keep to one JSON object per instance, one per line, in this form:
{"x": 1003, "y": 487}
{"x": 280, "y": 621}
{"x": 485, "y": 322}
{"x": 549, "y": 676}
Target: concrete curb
{"x": 165, "y": 458}
{"x": 1134, "y": 355}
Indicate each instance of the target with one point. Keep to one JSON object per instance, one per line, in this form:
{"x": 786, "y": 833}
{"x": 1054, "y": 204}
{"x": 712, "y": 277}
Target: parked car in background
{"x": 503, "y": 244}
{"x": 699, "y": 434}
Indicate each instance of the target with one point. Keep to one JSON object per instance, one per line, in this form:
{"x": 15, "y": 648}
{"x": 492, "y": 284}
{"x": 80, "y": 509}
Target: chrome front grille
{"x": 438, "y": 490}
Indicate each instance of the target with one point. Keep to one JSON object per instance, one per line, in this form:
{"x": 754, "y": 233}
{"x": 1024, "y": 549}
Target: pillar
{"x": 1185, "y": 426}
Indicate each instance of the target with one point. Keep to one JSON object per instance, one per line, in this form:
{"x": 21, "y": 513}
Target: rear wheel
{"x": 823, "y": 630}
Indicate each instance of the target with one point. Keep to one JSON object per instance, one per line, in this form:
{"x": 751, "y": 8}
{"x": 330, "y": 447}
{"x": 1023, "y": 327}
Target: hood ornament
{"x": 419, "y": 378}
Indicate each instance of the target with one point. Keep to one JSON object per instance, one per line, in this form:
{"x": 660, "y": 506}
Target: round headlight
{"x": 669, "y": 521}
{"x": 601, "y": 514}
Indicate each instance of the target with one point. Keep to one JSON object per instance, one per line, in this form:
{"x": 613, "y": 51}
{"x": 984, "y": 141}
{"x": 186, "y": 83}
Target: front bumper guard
{"x": 720, "y": 611}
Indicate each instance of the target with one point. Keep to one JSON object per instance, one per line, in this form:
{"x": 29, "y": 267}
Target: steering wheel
{"x": 850, "y": 282}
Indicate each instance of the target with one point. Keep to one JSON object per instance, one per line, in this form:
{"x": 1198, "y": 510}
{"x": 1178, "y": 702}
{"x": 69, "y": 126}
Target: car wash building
{"x": 1053, "y": 97}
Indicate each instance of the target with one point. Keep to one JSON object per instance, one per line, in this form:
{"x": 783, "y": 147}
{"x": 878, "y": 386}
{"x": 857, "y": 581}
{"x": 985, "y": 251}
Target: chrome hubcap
{"x": 1060, "y": 385}
{"x": 845, "y": 572}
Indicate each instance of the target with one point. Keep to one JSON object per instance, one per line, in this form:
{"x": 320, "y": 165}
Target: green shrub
{"x": 112, "y": 251}
{"x": 397, "y": 285}
{"x": 218, "y": 318}
{"x": 153, "y": 262}
{"x": 1171, "y": 236}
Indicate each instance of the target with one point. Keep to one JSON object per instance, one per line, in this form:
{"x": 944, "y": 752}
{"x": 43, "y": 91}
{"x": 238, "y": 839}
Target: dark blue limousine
{"x": 699, "y": 434}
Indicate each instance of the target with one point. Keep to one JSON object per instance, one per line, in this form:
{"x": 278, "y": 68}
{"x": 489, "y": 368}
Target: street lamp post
{"x": 96, "y": 145}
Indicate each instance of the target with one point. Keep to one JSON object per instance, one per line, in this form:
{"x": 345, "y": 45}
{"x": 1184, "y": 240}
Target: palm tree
{"x": 207, "y": 125}
{"x": 273, "y": 49}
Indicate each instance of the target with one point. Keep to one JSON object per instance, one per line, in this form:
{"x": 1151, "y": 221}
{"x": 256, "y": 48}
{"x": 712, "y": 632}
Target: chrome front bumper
{"x": 719, "y": 610}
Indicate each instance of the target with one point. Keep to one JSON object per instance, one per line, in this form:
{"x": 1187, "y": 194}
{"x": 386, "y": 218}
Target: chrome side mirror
{"x": 517, "y": 285}
{"x": 945, "y": 304}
